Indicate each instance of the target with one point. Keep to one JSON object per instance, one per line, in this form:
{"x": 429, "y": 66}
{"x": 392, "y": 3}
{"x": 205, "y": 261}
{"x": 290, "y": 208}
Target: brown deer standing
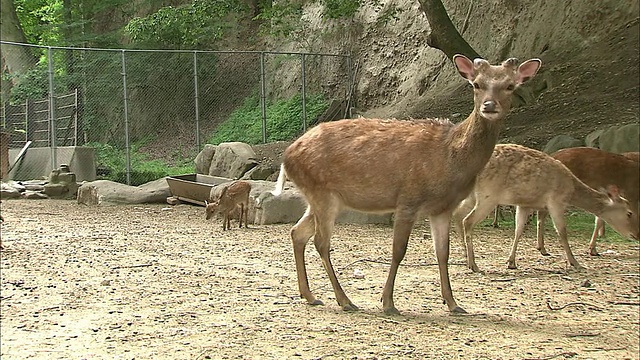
{"x": 233, "y": 197}
{"x": 406, "y": 167}
{"x": 531, "y": 180}
{"x": 598, "y": 169}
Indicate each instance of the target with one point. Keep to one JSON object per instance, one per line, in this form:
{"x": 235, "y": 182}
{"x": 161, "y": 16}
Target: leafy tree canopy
{"x": 199, "y": 23}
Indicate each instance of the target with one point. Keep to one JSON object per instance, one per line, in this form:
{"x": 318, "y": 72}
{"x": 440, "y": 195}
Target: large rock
{"x": 232, "y": 160}
{"x": 260, "y": 172}
{"x": 561, "y": 142}
{"x": 619, "y": 139}
{"x": 592, "y": 139}
{"x": 289, "y": 207}
{"x": 104, "y": 192}
{"x": 203, "y": 159}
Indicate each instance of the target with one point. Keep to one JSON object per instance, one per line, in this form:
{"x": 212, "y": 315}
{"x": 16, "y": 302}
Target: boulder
{"x": 619, "y": 139}
{"x": 203, "y": 159}
{"x": 7, "y": 191}
{"x": 561, "y": 142}
{"x": 592, "y": 140}
{"x": 232, "y": 160}
{"x": 260, "y": 172}
{"x": 101, "y": 192}
{"x": 289, "y": 207}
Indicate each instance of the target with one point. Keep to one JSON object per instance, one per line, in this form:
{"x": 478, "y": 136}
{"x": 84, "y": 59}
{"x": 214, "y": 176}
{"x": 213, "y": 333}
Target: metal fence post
{"x": 126, "y": 118}
{"x": 52, "y": 111}
{"x": 197, "y": 104}
{"x": 263, "y": 98}
{"x": 304, "y": 93}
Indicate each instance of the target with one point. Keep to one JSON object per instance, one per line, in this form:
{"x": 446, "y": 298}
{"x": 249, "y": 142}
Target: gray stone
{"x": 203, "y": 159}
{"x": 561, "y": 142}
{"x": 232, "y": 160}
{"x": 593, "y": 139}
{"x": 105, "y": 192}
{"x": 260, "y": 172}
{"x": 619, "y": 139}
{"x": 36, "y": 195}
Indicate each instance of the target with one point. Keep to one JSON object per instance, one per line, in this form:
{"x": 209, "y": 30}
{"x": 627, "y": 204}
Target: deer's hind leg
{"x": 522, "y": 215}
{"x": 301, "y": 232}
{"x": 325, "y": 222}
{"x": 557, "y": 215}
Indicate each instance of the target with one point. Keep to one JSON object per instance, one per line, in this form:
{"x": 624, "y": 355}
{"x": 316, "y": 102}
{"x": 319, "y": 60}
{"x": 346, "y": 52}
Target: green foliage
{"x": 579, "y": 227}
{"x": 34, "y": 84}
{"x": 199, "y": 23}
{"x": 336, "y": 9}
{"x": 284, "y": 120}
{"x": 111, "y": 164}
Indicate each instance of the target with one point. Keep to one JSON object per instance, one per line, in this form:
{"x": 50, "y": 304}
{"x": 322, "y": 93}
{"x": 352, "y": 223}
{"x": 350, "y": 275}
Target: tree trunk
{"x": 17, "y": 59}
{"x": 444, "y": 35}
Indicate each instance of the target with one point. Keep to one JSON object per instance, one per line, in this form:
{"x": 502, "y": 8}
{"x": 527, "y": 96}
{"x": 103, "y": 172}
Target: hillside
{"x": 589, "y": 77}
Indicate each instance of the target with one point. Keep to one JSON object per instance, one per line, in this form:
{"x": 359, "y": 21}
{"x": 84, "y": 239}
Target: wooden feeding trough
{"x": 193, "y": 188}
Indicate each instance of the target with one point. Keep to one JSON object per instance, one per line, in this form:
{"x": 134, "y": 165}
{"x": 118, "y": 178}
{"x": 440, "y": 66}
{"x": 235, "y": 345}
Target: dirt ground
{"x": 159, "y": 282}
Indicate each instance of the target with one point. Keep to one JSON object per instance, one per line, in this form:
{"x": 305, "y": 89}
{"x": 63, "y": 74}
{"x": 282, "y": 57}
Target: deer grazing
{"x": 598, "y": 169}
{"x": 532, "y": 180}
{"x": 406, "y": 167}
{"x": 233, "y": 198}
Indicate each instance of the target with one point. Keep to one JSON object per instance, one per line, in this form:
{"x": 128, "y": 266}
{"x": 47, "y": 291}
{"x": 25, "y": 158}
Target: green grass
{"x": 580, "y": 226}
{"x": 111, "y": 161}
{"x": 284, "y": 120}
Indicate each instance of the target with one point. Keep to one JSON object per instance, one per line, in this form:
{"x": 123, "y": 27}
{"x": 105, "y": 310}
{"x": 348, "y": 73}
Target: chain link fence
{"x": 161, "y": 106}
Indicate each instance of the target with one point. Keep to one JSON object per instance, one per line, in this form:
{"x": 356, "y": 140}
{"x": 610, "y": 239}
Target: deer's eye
{"x": 476, "y": 85}
{"x": 629, "y": 214}
{"x": 511, "y": 87}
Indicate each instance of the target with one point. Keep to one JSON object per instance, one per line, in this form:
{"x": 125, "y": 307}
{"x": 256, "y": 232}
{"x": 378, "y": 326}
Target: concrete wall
{"x": 36, "y": 162}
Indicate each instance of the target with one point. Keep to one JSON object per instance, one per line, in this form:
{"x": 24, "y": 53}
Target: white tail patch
{"x": 282, "y": 178}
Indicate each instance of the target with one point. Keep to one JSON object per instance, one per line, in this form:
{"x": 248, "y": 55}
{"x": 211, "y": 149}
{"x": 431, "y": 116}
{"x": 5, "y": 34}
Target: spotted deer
{"x": 599, "y": 169}
{"x": 406, "y": 167}
{"x": 530, "y": 180}
{"x": 233, "y": 198}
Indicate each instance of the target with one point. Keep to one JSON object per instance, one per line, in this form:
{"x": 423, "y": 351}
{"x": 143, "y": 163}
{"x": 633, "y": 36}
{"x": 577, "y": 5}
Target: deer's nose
{"x": 489, "y": 106}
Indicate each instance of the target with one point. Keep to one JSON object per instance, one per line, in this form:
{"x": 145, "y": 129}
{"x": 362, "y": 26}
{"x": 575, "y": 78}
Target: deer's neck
{"x": 473, "y": 140}
{"x": 587, "y": 198}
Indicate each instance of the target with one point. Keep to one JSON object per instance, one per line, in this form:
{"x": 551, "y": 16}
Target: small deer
{"x": 598, "y": 169}
{"x": 531, "y": 180}
{"x": 406, "y": 167}
{"x": 234, "y": 197}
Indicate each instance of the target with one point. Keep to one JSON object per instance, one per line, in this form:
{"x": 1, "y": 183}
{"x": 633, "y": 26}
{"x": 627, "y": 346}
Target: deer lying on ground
{"x": 598, "y": 169}
{"x": 530, "y": 180}
{"x": 406, "y": 167}
{"x": 233, "y": 197}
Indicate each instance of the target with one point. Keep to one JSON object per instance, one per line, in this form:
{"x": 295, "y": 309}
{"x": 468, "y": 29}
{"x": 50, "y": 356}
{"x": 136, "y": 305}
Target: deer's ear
{"x": 527, "y": 70}
{"x": 464, "y": 66}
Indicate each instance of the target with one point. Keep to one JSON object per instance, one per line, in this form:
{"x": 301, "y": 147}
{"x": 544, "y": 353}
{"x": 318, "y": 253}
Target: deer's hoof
{"x": 391, "y": 311}
{"x": 458, "y": 310}
{"x": 316, "y": 302}
{"x": 544, "y": 252}
{"x": 350, "y": 307}
{"x": 511, "y": 265}
{"x": 594, "y": 253}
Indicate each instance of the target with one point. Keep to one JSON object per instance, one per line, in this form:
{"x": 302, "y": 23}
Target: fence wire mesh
{"x": 160, "y": 107}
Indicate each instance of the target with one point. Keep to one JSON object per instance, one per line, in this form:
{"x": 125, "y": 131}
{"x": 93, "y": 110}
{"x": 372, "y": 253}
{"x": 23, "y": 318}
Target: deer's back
{"x": 598, "y": 169}
{"x": 519, "y": 175}
{"x": 373, "y": 164}
{"x": 237, "y": 193}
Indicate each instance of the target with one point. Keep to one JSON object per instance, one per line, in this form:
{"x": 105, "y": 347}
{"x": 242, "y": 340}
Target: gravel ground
{"x": 159, "y": 282}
